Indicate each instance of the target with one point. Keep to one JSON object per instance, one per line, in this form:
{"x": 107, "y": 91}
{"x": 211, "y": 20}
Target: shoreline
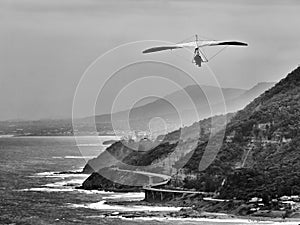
{"x": 202, "y": 217}
{"x": 134, "y": 208}
{"x": 193, "y": 210}
{"x": 187, "y": 213}
{"x": 62, "y": 136}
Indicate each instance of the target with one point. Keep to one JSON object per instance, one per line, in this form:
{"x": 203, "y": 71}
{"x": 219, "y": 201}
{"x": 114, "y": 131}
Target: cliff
{"x": 260, "y": 151}
{"x": 259, "y": 155}
{"x": 112, "y": 180}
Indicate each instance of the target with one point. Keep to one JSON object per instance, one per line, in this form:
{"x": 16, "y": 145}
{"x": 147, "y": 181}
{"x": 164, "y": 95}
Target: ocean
{"x": 33, "y": 191}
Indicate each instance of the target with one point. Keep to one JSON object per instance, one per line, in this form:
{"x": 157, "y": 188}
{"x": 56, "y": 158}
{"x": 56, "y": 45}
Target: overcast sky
{"x": 46, "y": 45}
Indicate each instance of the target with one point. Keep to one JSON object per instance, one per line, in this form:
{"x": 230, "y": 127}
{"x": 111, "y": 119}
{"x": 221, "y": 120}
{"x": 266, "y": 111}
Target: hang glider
{"x": 199, "y": 56}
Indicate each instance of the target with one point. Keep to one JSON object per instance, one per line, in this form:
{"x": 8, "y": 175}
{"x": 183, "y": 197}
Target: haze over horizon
{"x": 46, "y": 45}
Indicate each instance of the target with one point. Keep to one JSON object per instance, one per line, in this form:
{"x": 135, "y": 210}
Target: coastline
{"x": 188, "y": 213}
{"x": 130, "y": 206}
{"x": 208, "y": 220}
{"x": 188, "y": 206}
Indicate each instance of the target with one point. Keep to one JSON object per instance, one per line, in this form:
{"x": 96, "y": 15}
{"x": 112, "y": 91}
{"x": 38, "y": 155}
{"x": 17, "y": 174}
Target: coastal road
{"x": 166, "y": 178}
{"x": 178, "y": 191}
{"x": 149, "y": 174}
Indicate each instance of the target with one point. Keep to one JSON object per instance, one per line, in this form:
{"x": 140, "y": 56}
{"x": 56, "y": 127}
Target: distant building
{"x": 286, "y": 140}
{"x": 295, "y": 198}
{"x": 230, "y": 137}
{"x": 285, "y": 198}
{"x": 255, "y": 200}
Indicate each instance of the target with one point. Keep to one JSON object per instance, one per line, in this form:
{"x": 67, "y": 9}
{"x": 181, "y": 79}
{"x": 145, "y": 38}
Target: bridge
{"x": 158, "y": 194}
{"x": 154, "y": 193}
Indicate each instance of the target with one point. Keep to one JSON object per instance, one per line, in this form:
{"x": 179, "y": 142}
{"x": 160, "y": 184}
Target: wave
{"x": 136, "y": 208}
{"x": 79, "y": 157}
{"x": 94, "y": 192}
{"x": 65, "y": 189}
{"x": 212, "y": 221}
{"x": 44, "y": 174}
{"x": 90, "y": 145}
{"x": 57, "y": 157}
{"x": 6, "y": 136}
{"x": 45, "y": 189}
{"x": 132, "y": 196}
{"x": 236, "y": 221}
{"x": 69, "y": 183}
{"x": 57, "y": 174}
{"x": 74, "y": 157}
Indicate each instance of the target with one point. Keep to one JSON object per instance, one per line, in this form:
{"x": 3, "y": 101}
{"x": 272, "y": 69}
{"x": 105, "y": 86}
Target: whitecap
{"x": 44, "y": 174}
{"x": 90, "y": 145}
{"x": 44, "y": 189}
{"x": 59, "y": 174}
{"x": 131, "y": 196}
{"x": 94, "y": 192}
{"x": 6, "y": 136}
{"x": 73, "y": 182}
{"x": 126, "y": 208}
{"x": 237, "y": 221}
{"x": 79, "y": 157}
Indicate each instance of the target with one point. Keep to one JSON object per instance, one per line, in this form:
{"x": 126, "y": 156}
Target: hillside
{"x": 146, "y": 153}
{"x": 260, "y": 153}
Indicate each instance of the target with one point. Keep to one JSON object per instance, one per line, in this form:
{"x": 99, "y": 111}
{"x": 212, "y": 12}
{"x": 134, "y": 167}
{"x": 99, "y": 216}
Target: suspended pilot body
{"x": 197, "y": 58}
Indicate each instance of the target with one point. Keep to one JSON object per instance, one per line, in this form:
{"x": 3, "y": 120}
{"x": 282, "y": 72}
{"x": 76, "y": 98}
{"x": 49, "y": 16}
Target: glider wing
{"x": 218, "y": 43}
{"x": 170, "y": 47}
{"x": 161, "y": 48}
{"x": 194, "y": 44}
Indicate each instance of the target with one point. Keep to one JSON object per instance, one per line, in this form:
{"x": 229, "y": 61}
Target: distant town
{"x": 65, "y": 128}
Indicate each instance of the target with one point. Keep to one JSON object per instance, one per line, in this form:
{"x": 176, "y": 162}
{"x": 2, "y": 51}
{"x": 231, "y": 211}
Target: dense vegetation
{"x": 273, "y": 165}
{"x": 259, "y": 154}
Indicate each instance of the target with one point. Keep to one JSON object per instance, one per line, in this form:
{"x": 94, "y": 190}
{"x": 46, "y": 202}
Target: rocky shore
{"x": 190, "y": 205}
{"x": 195, "y": 208}
{"x": 183, "y": 213}
{"x": 188, "y": 213}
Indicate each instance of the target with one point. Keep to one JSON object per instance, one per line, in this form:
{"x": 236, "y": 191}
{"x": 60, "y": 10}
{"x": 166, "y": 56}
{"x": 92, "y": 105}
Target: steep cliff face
{"x": 261, "y": 151}
{"x": 113, "y": 180}
{"x": 110, "y": 157}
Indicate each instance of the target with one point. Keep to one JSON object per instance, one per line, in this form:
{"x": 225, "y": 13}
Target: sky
{"x": 47, "y": 48}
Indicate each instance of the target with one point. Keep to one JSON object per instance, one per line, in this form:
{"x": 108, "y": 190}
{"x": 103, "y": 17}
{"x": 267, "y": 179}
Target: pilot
{"x": 197, "y": 58}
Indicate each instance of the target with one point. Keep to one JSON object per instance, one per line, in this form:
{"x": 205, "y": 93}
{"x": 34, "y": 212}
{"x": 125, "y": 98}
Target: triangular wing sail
{"x": 224, "y": 43}
{"x": 170, "y": 47}
{"x": 160, "y": 48}
{"x": 194, "y": 44}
